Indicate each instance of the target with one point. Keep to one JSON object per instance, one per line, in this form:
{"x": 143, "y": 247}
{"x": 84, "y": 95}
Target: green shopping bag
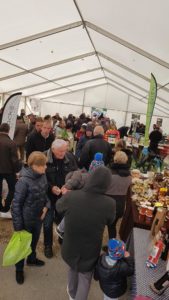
{"x": 18, "y": 248}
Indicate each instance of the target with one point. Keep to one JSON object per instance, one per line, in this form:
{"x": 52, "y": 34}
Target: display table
{"x": 130, "y": 220}
{"x": 139, "y": 245}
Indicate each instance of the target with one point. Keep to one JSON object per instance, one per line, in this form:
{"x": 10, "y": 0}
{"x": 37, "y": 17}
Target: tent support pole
{"x": 125, "y": 118}
{"x": 3, "y": 99}
{"x": 84, "y": 95}
{"x": 25, "y": 104}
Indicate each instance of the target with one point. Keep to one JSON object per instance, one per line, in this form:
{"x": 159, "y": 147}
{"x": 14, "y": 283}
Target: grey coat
{"x": 120, "y": 186}
{"x": 87, "y": 212}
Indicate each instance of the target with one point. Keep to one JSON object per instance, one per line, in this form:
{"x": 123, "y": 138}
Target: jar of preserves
{"x": 149, "y": 215}
{"x": 142, "y": 213}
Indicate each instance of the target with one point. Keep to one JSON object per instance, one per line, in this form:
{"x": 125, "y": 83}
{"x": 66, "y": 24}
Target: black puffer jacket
{"x": 29, "y": 199}
{"x": 113, "y": 279}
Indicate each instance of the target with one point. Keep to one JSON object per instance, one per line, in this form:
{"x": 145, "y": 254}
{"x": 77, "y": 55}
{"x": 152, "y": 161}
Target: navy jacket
{"x": 29, "y": 199}
{"x": 113, "y": 279}
{"x": 81, "y": 143}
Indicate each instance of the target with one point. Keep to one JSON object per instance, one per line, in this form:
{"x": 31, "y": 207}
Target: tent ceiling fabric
{"x": 55, "y": 47}
{"x": 32, "y": 17}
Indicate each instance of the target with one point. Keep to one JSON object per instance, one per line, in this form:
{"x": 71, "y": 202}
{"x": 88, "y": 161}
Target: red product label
{"x": 156, "y": 252}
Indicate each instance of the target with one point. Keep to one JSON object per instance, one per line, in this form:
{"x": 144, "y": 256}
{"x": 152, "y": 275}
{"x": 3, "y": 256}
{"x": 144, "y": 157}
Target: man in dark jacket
{"x": 87, "y": 212}
{"x": 60, "y": 163}
{"x": 38, "y": 126}
{"x": 97, "y": 144}
{"x": 9, "y": 165}
{"x": 155, "y": 137}
{"x": 40, "y": 141}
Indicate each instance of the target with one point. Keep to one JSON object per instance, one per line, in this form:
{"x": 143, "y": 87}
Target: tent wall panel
{"x": 62, "y": 109}
{"x": 70, "y": 98}
{"x": 116, "y": 99}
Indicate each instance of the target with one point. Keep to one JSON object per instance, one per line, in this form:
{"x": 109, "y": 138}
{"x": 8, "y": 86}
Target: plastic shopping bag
{"x": 18, "y": 248}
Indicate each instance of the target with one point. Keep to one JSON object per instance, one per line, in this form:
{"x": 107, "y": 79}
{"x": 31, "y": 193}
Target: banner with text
{"x": 97, "y": 112}
{"x": 150, "y": 107}
{"x": 10, "y": 111}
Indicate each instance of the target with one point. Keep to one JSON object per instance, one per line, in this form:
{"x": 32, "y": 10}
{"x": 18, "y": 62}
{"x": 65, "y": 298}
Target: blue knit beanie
{"x": 98, "y": 156}
{"x": 97, "y": 162}
{"x": 116, "y": 249}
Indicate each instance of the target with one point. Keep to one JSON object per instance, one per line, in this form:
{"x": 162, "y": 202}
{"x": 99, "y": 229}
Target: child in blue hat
{"x": 97, "y": 162}
{"x": 113, "y": 268}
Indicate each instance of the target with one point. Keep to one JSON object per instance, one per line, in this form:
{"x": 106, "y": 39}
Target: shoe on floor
{"x": 37, "y": 263}
{"x": 48, "y": 252}
{"x": 59, "y": 233}
{"x": 19, "y": 277}
{"x": 67, "y": 290}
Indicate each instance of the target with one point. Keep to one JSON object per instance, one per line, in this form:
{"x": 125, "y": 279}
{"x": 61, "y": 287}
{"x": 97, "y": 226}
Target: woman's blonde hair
{"x": 120, "y": 157}
{"x": 37, "y": 158}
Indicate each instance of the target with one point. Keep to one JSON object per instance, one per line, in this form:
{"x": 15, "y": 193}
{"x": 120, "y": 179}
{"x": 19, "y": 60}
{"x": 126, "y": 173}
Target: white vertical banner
{"x": 10, "y": 111}
{"x": 35, "y": 105}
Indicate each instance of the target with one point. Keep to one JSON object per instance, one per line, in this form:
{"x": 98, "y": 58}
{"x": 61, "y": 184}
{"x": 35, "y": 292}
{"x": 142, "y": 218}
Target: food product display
{"x": 153, "y": 191}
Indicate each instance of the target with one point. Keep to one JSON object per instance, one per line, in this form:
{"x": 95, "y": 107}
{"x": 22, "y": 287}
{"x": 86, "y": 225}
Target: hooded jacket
{"x": 29, "y": 199}
{"x": 87, "y": 211}
{"x": 113, "y": 279}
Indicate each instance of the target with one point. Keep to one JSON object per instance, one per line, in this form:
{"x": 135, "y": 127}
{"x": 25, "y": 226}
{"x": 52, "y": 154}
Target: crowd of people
{"x": 63, "y": 172}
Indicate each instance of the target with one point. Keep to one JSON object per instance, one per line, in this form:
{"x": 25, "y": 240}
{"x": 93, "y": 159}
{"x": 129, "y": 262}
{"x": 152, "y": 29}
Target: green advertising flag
{"x": 150, "y": 107}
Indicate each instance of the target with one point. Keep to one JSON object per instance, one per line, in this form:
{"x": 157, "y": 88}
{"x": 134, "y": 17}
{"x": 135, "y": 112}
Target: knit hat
{"x": 116, "y": 249}
{"x": 98, "y": 156}
{"x": 97, "y": 162}
{"x": 84, "y": 125}
{"x": 89, "y": 128}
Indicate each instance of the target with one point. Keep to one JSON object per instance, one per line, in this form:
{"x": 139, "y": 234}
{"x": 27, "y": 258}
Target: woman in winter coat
{"x": 119, "y": 187}
{"x": 30, "y": 205}
{"x": 87, "y": 212}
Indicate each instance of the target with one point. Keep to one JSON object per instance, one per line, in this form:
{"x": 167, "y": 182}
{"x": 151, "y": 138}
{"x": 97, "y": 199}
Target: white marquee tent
{"x": 70, "y": 55}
